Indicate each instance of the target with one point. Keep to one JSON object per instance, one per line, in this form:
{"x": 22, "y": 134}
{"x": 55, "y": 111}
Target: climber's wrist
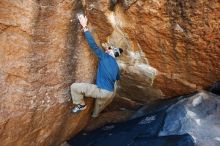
{"x": 85, "y": 28}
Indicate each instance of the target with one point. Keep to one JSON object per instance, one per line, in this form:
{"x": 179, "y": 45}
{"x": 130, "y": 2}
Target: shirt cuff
{"x": 85, "y": 29}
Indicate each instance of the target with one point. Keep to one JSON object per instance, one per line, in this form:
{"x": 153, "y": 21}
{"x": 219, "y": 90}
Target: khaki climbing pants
{"x": 103, "y": 97}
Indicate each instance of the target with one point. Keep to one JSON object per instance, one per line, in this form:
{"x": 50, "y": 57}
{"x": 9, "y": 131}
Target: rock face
{"x": 39, "y": 51}
{"x": 171, "y": 47}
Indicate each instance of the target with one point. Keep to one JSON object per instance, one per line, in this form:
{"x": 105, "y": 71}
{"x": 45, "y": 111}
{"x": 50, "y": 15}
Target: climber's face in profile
{"x": 109, "y": 51}
{"x": 114, "y": 52}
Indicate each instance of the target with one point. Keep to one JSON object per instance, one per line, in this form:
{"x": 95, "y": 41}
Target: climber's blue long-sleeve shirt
{"x": 108, "y": 70}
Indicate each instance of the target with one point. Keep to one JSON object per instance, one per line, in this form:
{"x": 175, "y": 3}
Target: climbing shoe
{"x": 78, "y": 108}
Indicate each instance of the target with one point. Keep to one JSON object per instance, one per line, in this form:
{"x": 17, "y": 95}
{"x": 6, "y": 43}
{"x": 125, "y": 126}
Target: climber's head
{"x": 114, "y": 52}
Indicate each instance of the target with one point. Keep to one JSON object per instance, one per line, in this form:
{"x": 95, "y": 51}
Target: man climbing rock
{"x": 107, "y": 74}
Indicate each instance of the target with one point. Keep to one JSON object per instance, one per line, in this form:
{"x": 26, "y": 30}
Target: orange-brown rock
{"x": 171, "y": 47}
{"x": 42, "y": 52}
{"x": 180, "y": 39}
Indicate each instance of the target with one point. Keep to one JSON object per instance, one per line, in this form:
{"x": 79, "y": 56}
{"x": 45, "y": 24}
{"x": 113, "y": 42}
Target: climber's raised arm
{"x": 97, "y": 50}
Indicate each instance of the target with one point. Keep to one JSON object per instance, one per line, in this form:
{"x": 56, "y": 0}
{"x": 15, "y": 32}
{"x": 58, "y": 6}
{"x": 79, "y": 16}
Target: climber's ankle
{"x": 78, "y": 108}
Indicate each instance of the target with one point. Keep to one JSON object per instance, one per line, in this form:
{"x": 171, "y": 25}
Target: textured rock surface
{"x": 171, "y": 47}
{"x": 39, "y": 51}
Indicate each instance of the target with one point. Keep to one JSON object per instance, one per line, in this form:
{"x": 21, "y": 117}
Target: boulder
{"x": 170, "y": 47}
{"x": 42, "y": 53}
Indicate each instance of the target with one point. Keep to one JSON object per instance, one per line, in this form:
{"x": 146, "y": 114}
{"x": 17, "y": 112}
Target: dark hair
{"x": 117, "y": 53}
